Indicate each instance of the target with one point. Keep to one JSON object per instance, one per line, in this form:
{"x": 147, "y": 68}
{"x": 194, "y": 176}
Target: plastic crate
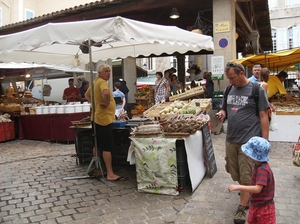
{"x": 120, "y": 150}
{"x": 121, "y": 162}
{"x": 183, "y": 182}
{"x": 119, "y": 124}
{"x": 84, "y": 146}
{"x": 217, "y": 103}
{"x": 121, "y": 136}
{"x": 182, "y": 168}
{"x": 180, "y": 151}
{"x": 84, "y": 159}
{"x": 217, "y": 100}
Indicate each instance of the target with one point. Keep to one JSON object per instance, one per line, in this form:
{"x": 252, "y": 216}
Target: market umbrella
{"x": 274, "y": 61}
{"x": 109, "y": 38}
{"x": 117, "y": 37}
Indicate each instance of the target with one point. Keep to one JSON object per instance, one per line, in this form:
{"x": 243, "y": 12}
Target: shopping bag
{"x": 273, "y": 123}
{"x": 296, "y": 153}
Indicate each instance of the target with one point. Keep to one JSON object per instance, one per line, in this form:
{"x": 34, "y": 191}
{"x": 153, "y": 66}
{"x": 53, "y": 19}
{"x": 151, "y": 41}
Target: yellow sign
{"x": 222, "y": 27}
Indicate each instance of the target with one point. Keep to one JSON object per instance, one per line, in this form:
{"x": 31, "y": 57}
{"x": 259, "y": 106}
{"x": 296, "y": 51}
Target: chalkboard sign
{"x": 208, "y": 152}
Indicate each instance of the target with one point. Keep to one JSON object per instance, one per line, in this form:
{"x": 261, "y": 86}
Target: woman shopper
{"x": 161, "y": 88}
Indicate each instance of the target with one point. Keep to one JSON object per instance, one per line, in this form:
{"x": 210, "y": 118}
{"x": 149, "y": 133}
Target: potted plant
{"x": 248, "y": 50}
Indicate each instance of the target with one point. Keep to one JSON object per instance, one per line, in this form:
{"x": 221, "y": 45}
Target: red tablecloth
{"x": 51, "y": 127}
{"x": 7, "y": 131}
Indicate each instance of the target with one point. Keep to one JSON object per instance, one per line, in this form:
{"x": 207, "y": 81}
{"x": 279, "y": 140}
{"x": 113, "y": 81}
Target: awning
{"x": 111, "y": 38}
{"x": 13, "y": 65}
{"x": 281, "y": 60}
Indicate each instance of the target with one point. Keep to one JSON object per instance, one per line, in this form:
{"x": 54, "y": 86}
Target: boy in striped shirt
{"x": 262, "y": 188}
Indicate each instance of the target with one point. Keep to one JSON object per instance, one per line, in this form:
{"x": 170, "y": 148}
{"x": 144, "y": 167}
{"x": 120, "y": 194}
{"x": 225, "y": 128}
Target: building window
{"x": 292, "y": 3}
{"x": 290, "y": 32}
{"x": 29, "y": 14}
{"x": 273, "y": 32}
{"x": 272, "y": 4}
{"x": 0, "y": 17}
{"x": 150, "y": 63}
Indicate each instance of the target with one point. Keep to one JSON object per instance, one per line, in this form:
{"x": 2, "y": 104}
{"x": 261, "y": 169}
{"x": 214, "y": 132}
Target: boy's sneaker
{"x": 247, "y": 205}
{"x": 240, "y": 215}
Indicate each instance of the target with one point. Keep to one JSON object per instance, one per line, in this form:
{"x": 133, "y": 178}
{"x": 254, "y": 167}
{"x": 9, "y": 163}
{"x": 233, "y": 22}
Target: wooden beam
{"x": 243, "y": 18}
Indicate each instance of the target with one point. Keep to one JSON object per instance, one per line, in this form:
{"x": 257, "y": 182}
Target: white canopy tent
{"x": 13, "y": 65}
{"x": 58, "y": 43}
{"x": 109, "y": 38}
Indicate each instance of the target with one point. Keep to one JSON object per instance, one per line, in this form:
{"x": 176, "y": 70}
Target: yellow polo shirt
{"x": 275, "y": 86}
{"x": 103, "y": 116}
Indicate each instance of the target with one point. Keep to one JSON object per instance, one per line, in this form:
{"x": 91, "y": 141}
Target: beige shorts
{"x": 237, "y": 164}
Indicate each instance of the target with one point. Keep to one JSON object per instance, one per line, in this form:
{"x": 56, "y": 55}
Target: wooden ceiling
{"x": 156, "y": 11}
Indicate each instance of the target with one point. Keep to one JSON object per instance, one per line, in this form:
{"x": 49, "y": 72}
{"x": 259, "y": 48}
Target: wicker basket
{"x": 134, "y": 112}
{"x": 81, "y": 123}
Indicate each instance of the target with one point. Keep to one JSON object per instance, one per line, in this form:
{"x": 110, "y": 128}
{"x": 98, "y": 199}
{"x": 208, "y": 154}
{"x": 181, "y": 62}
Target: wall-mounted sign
{"x": 217, "y": 65}
{"x": 223, "y": 42}
{"x": 222, "y": 27}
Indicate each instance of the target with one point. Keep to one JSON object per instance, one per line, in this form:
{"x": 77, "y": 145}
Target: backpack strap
{"x": 227, "y": 90}
{"x": 255, "y": 95}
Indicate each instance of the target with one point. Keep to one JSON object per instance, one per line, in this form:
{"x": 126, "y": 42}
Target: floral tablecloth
{"x": 156, "y": 165}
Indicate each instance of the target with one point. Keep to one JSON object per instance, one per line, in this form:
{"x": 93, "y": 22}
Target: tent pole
{"x": 96, "y": 159}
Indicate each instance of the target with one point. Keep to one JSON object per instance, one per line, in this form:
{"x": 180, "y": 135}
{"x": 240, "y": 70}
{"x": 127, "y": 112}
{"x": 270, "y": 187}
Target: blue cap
{"x": 257, "y": 148}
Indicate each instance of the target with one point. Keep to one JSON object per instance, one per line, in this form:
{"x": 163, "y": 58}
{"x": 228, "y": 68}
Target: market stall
{"x": 286, "y": 122}
{"x": 175, "y": 151}
{"x": 169, "y": 155}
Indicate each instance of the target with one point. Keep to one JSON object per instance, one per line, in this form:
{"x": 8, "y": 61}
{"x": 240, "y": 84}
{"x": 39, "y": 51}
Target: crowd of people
{"x": 72, "y": 94}
{"x": 120, "y": 94}
{"x": 167, "y": 84}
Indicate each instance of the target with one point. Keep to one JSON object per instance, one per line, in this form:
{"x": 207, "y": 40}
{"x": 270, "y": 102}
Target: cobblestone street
{"x": 32, "y": 190}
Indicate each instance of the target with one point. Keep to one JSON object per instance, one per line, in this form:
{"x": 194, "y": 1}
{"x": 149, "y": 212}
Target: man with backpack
{"x": 245, "y": 105}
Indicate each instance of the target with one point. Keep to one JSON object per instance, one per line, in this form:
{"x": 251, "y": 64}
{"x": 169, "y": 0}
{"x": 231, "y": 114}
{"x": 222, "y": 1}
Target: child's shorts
{"x": 262, "y": 215}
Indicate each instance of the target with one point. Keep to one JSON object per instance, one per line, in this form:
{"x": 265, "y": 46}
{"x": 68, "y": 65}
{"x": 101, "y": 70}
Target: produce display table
{"x": 160, "y": 163}
{"x": 288, "y": 128}
{"x": 50, "y": 127}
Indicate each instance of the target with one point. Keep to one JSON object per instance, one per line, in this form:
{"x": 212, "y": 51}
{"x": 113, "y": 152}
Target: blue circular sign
{"x": 223, "y": 42}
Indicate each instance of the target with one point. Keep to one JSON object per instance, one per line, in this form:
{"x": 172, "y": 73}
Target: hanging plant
{"x": 243, "y": 38}
{"x": 248, "y": 49}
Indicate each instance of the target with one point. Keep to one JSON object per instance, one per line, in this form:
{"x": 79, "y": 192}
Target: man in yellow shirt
{"x": 103, "y": 116}
{"x": 275, "y": 86}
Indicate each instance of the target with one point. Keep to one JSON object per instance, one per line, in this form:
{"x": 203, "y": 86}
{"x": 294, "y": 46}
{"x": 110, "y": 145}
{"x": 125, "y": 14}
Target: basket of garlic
{"x": 183, "y": 126}
{"x": 148, "y": 129}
